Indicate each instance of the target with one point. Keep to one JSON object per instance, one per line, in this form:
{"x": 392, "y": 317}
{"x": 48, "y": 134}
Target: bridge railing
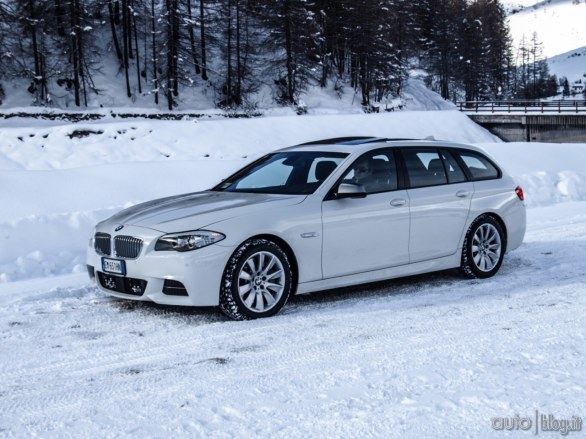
{"x": 515, "y": 106}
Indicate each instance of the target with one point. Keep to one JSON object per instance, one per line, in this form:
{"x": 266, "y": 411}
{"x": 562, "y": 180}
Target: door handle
{"x": 398, "y": 202}
{"x": 462, "y": 194}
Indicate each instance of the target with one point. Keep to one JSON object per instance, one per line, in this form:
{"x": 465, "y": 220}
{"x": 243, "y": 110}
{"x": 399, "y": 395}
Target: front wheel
{"x": 484, "y": 248}
{"x": 257, "y": 281}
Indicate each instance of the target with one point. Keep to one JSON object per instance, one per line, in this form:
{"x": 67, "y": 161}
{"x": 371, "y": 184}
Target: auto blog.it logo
{"x": 540, "y": 422}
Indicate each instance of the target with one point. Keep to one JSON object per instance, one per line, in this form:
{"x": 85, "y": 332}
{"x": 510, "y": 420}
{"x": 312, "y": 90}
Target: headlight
{"x": 187, "y": 241}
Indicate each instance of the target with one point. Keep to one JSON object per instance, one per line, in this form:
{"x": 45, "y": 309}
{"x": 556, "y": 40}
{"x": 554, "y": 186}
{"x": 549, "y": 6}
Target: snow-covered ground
{"x": 430, "y": 356}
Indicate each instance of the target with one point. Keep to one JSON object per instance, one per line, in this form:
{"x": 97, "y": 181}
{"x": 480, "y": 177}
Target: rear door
{"x": 439, "y": 198}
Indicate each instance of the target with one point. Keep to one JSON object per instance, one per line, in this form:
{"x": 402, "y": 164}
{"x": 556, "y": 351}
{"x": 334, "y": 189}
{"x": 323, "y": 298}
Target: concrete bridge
{"x": 531, "y": 121}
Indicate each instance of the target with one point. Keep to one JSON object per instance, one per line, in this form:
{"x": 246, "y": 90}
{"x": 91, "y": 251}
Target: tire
{"x": 484, "y": 248}
{"x": 257, "y": 281}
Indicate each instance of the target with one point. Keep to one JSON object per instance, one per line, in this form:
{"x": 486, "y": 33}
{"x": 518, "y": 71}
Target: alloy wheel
{"x": 486, "y": 247}
{"x": 261, "y": 281}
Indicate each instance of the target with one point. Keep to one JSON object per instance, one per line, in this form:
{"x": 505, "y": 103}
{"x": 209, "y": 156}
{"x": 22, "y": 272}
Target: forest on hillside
{"x": 163, "y": 47}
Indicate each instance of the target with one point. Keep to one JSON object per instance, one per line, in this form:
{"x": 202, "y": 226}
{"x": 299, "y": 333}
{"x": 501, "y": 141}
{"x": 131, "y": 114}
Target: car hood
{"x": 196, "y": 210}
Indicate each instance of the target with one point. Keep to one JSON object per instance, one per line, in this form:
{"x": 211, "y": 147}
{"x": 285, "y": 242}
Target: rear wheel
{"x": 257, "y": 281}
{"x": 484, "y": 248}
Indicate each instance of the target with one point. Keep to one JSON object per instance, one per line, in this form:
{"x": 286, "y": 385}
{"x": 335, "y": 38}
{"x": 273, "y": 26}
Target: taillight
{"x": 519, "y": 192}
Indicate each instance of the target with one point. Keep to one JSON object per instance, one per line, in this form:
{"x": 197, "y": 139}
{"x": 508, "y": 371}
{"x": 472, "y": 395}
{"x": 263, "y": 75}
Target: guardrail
{"x": 514, "y": 106}
{"x": 88, "y": 116}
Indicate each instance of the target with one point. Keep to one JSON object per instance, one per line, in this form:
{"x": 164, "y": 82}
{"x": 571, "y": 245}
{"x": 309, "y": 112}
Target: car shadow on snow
{"x": 411, "y": 285}
{"x": 323, "y": 298}
{"x": 188, "y": 314}
{"x": 516, "y": 269}
{"x": 523, "y": 267}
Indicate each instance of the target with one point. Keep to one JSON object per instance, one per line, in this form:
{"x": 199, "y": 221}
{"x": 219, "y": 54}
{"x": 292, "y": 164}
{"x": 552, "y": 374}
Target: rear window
{"x": 478, "y": 166}
{"x": 424, "y": 167}
{"x": 455, "y": 173}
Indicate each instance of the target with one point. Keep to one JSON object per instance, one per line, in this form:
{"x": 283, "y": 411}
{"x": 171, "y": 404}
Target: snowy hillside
{"x": 514, "y": 6}
{"x": 559, "y": 24}
{"x": 416, "y": 96}
{"x": 571, "y": 64}
{"x": 431, "y": 356}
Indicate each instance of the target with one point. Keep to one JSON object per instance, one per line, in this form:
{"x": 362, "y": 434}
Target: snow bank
{"x": 547, "y": 172}
{"x": 57, "y": 180}
{"x": 61, "y": 146}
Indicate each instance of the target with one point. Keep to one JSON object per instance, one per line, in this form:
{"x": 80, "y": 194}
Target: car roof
{"x": 360, "y": 144}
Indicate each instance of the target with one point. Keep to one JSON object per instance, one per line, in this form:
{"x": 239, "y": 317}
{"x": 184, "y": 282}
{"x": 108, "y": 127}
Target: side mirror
{"x": 350, "y": 190}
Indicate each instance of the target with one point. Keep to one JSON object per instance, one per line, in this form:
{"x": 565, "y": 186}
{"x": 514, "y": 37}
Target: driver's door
{"x": 370, "y": 233}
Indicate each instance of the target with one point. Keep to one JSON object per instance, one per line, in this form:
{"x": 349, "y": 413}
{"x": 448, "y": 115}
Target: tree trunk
{"x": 117, "y": 12}
{"x": 128, "y": 15}
{"x": 229, "y": 55}
{"x": 75, "y": 55}
{"x": 44, "y": 90}
{"x": 238, "y": 94}
{"x": 192, "y": 38}
{"x": 33, "y": 29}
{"x": 364, "y": 85}
{"x": 175, "y": 33}
{"x": 59, "y": 18}
{"x": 289, "y": 51}
{"x": 170, "y": 52}
{"x": 154, "y": 43}
{"x": 204, "y": 71}
{"x": 125, "y": 45}
{"x": 145, "y": 63}
{"x": 113, "y": 28}
{"x": 137, "y": 52}
{"x": 81, "y": 58}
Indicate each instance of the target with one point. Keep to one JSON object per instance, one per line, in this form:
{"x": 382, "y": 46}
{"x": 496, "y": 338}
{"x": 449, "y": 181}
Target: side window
{"x": 479, "y": 167}
{"x": 455, "y": 173}
{"x": 424, "y": 167}
{"x": 375, "y": 170}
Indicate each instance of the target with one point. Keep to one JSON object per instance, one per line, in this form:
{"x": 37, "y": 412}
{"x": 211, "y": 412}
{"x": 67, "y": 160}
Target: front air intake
{"x": 174, "y": 288}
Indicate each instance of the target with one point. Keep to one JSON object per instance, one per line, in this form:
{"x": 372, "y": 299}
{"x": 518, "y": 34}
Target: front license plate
{"x": 113, "y": 266}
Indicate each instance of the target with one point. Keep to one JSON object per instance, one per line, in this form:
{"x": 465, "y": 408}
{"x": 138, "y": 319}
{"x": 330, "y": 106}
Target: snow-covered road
{"x": 428, "y": 356}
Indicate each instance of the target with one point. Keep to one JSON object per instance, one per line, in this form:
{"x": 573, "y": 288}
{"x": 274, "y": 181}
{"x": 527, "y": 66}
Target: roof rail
{"x": 359, "y": 140}
{"x": 338, "y": 140}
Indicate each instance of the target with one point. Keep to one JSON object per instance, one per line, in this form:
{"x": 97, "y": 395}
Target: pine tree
{"x": 292, "y": 46}
{"x": 238, "y": 45}
{"x": 445, "y": 48}
{"x": 566, "y": 87}
{"x": 26, "y": 49}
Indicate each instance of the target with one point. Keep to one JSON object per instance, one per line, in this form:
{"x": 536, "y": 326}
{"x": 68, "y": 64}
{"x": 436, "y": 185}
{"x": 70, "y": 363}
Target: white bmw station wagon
{"x": 311, "y": 217}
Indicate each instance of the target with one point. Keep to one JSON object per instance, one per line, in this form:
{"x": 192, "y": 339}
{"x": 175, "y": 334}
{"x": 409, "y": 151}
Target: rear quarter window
{"x": 478, "y": 166}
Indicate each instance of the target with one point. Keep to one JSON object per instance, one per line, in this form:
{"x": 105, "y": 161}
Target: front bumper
{"x": 154, "y": 275}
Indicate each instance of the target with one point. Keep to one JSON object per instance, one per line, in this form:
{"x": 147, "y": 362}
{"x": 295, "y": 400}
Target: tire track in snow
{"x": 119, "y": 367}
{"x": 385, "y": 346}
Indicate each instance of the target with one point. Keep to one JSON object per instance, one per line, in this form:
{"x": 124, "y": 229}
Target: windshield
{"x": 292, "y": 172}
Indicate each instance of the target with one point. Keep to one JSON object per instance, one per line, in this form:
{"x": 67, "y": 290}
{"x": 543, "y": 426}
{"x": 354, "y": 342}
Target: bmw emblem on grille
{"x": 120, "y": 227}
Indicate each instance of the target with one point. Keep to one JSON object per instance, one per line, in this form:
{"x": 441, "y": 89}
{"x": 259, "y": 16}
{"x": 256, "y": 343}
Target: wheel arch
{"x": 288, "y": 251}
{"x": 501, "y": 223}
